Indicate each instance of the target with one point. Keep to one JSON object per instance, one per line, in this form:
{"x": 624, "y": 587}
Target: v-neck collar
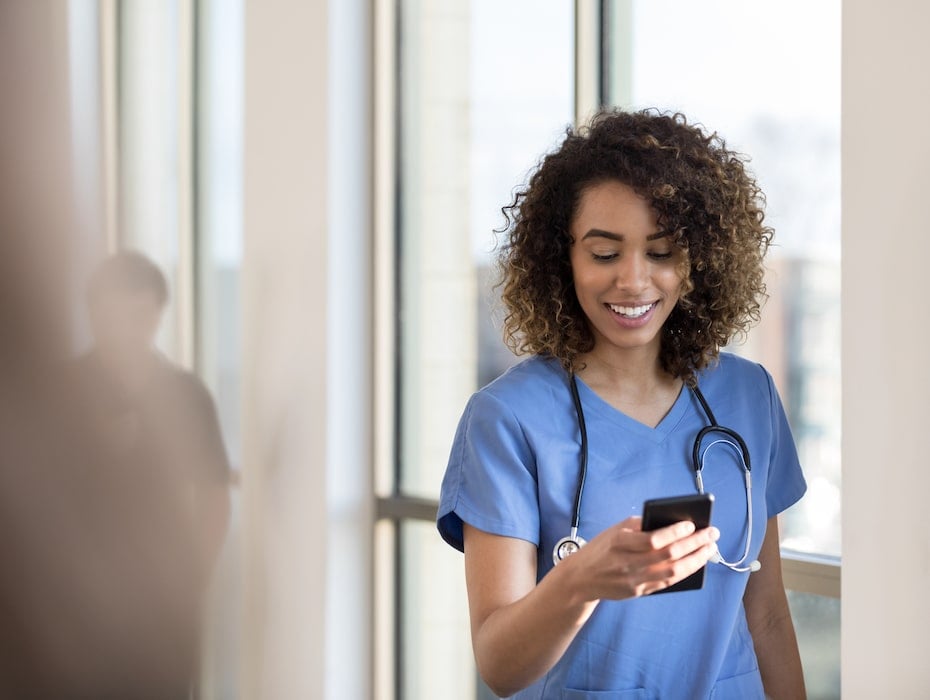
{"x": 595, "y": 405}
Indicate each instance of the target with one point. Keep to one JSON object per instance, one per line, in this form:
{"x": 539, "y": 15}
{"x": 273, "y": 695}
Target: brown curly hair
{"x": 703, "y": 196}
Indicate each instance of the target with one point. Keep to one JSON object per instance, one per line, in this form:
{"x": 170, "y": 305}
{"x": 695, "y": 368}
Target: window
{"x": 774, "y": 95}
{"x": 218, "y": 254}
{"x": 154, "y": 157}
{"x": 470, "y": 95}
{"x": 483, "y": 89}
{"x": 178, "y": 74}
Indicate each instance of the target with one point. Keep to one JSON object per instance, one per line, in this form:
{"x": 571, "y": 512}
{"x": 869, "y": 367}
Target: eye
{"x": 660, "y": 256}
{"x": 603, "y": 257}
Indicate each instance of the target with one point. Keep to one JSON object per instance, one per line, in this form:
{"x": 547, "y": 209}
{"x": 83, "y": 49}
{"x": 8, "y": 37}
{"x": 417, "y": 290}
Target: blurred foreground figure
{"x": 158, "y": 425}
{"x": 113, "y": 510}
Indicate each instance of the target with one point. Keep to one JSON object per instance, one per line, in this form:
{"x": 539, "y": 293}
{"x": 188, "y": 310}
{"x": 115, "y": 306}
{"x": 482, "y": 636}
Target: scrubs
{"x": 513, "y": 471}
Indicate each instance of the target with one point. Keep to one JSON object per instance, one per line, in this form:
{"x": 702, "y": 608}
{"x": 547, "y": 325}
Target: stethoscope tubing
{"x": 571, "y": 544}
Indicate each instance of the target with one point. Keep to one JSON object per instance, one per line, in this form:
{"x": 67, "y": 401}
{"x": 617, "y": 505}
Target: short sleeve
{"x": 212, "y": 459}
{"x": 490, "y": 481}
{"x": 785, "y": 484}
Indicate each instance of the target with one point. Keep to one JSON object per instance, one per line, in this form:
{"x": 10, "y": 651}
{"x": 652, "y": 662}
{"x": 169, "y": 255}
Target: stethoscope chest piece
{"x": 567, "y": 546}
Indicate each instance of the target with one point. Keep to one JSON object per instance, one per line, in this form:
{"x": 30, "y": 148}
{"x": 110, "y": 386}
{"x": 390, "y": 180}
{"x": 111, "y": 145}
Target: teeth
{"x": 630, "y": 311}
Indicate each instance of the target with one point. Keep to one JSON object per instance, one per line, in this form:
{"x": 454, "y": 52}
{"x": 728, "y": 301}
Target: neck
{"x": 640, "y": 389}
{"x": 637, "y": 371}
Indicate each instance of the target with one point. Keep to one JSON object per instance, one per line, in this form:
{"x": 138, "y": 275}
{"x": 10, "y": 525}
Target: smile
{"x": 632, "y": 311}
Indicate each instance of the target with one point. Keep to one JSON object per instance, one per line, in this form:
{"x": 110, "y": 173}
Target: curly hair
{"x": 704, "y": 198}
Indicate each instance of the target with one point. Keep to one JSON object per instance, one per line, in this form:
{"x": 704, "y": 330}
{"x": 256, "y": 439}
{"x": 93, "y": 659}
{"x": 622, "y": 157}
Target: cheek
{"x": 674, "y": 281}
{"x": 580, "y": 274}
{"x": 590, "y": 281}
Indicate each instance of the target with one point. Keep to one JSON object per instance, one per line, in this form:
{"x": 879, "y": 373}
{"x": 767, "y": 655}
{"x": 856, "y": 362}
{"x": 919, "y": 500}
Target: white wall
{"x": 306, "y": 352}
{"x": 886, "y": 348}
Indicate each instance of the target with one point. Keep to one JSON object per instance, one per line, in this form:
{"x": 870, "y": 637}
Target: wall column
{"x": 306, "y": 365}
{"x": 886, "y": 375}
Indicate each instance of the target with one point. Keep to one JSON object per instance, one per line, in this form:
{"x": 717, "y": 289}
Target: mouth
{"x": 632, "y": 312}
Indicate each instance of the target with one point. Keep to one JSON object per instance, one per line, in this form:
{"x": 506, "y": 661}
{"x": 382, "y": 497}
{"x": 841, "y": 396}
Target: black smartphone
{"x": 661, "y": 512}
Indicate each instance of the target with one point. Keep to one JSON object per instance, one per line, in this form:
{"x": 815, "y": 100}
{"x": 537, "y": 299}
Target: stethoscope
{"x": 567, "y": 546}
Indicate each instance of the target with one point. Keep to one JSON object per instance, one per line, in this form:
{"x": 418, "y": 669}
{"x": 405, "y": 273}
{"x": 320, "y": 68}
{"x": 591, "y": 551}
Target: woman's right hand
{"x": 520, "y": 628}
{"x": 624, "y": 561}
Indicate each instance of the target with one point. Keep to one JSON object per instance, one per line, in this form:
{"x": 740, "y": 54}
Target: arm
{"x": 770, "y": 623}
{"x": 521, "y": 629}
{"x": 212, "y": 481}
{"x": 213, "y": 511}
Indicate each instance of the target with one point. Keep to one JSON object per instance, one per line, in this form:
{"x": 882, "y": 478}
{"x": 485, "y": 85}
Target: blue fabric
{"x": 513, "y": 471}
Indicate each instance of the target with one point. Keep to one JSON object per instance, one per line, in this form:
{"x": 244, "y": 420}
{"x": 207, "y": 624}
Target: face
{"x": 625, "y": 270}
{"x": 126, "y": 323}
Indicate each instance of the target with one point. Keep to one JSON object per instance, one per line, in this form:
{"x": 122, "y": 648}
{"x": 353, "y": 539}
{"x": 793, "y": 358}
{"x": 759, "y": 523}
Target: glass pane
{"x": 817, "y": 623}
{"x": 149, "y": 205}
{"x": 470, "y": 130}
{"x": 219, "y": 190}
{"x": 436, "y": 657}
{"x": 219, "y": 260}
{"x": 774, "y": 95}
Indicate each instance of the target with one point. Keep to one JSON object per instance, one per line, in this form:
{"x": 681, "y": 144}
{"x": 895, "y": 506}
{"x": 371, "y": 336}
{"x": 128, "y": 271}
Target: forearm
{"x": 769, "y": 620}
{"x": 779, "y": 661}
{"x": 517, "y": 644}
{"x": 520, "y": 629}
{"x": 213, "y": 512}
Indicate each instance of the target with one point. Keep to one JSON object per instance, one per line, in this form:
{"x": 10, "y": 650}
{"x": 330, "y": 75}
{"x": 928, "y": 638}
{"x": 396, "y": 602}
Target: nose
{"x": 632, "y": 273}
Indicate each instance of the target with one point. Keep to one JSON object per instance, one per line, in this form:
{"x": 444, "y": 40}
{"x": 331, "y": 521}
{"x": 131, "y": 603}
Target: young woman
{"x": 633, "y": 255}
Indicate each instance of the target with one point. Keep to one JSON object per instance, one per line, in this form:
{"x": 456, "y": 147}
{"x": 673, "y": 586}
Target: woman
{"x": 633, "y": 255}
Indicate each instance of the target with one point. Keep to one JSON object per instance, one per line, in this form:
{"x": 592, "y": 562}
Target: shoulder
{"x": 528, "y": 385}
{"x": 738, "y": 382}
{"x": 744, "y": 395}
{"x": 733, "y": 370}
{"x": 182, "y": 384}
{"x": 523, "y": 402}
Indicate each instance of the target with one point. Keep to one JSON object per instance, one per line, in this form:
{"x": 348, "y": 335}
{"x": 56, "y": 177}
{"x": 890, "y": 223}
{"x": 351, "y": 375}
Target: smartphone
{"x": 661, "y": 512}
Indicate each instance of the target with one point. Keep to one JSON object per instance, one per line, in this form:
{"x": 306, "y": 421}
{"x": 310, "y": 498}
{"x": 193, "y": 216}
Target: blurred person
{"x": 158, "y": 426}
{"x": 114, "y": 499}
{"x": 113, "y": 495}
{"x": 634, "y": 254}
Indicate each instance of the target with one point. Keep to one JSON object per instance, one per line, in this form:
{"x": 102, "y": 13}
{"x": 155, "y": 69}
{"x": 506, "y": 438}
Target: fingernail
{"x": 714, "y": 534}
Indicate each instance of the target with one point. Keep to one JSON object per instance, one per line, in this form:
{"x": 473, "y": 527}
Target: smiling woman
{"x": 704, "y": 203}
{"x": 612, "y": 274}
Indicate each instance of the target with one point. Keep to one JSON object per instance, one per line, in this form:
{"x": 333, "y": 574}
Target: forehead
{"x": 614, "y": 207}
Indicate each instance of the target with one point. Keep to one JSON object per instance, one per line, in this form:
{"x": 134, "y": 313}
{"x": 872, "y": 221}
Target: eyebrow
{"x": 600, "y": 233}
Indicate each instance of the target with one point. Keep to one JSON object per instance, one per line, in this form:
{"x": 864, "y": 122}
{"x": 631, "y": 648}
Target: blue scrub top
{"x": 513, "y": 471}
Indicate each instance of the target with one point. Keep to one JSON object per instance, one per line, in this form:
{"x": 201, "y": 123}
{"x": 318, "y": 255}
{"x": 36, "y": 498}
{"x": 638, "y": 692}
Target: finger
{"x": 670, "y": 572}
{"x": 687, "y": 545}
{"x": 663, "y": 537}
